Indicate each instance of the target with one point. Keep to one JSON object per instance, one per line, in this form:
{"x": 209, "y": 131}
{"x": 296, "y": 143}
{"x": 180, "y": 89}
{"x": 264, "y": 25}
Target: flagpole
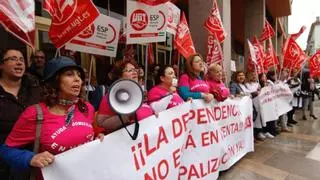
{"x": 90, "y": 71}
{"x": 274, "y": 64}
{"x": 256, "y": 70}
{"x": 146, "y": 68}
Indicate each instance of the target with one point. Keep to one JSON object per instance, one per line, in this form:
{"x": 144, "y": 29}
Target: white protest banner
{"x": 274, "y": 101}
{"x": 191, "y": 141}
{"x": 100, "y": 38}
{"x": 146, "y": 24}
{"x": 173, "y": 18}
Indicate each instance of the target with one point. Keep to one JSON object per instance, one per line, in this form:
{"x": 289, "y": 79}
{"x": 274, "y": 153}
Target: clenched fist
{"x": 42, "y": 160}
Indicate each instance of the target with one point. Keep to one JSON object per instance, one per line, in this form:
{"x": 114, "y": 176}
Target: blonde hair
{"x": 214, "y": 66}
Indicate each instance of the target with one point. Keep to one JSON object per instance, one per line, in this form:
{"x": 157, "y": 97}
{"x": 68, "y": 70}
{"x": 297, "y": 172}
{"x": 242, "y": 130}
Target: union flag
{"x": 268, "y": 31}
{"x": 214, "y": 24}
{"x": 18, "y": 18}
{"x": 183, "y": 40}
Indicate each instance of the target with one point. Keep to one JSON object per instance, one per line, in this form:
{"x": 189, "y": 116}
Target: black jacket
{"x": 11, "y": 107}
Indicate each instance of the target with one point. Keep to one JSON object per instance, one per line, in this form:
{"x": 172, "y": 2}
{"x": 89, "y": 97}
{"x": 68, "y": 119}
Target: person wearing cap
{"x": 17, "y": 91}
{"x": 166, "y": 83}
{"x": 107, "y": 118}
{"x": 67, "y": 118}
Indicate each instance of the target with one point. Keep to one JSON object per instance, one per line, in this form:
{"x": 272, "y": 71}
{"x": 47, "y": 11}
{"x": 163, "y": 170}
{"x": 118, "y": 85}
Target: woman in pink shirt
{"x": 107, "y": 118}
{"x": 192, "y": 85}
{"x": 66, "y": 123}
{"x": 166, "y": 88}
{"x": 217, "y": 87}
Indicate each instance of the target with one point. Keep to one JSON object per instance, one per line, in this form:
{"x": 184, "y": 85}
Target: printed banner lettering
{"x": 100, "y": 38}
{"x": 191, "y": 141}
{"x": 214, "y": 54}
{"x": 272, "y": 102}
{"x": 146, "y": 24}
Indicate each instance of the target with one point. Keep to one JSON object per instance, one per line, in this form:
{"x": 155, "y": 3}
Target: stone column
{"x": 226, "y": 19}
{"x": 254, "y": 21}
{"x": 199, "y": 10}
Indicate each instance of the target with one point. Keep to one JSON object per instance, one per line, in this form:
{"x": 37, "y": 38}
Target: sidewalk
{"x": 290, "y": 156}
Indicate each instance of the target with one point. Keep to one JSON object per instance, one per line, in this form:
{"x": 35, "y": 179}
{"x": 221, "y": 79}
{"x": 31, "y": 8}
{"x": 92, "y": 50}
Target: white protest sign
{"x": 191, "y": 141}
{"x": 273, "y": 101}
{"x": 173, "y": 18}
{"x": 145, "y": 23}
{"x": 100, "y": 38}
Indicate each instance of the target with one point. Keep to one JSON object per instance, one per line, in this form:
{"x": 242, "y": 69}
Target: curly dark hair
{"x": 50, "y": 92}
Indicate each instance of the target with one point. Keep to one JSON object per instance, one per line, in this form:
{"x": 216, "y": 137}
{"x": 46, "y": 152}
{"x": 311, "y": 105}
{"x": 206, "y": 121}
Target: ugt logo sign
{"x": 61, "y": 10}
{"x": 139, "y": 20}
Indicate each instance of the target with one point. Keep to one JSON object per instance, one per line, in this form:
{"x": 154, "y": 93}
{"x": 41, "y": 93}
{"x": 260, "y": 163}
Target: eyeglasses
{"x": 14, "y": 58}
{"x": 130, "y": 70}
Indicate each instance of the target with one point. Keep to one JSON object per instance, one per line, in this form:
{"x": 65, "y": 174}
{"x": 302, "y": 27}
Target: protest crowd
{"x": 54, "y": 105}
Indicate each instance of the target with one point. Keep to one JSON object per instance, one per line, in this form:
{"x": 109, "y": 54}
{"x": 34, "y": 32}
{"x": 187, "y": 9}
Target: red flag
{"x": 153, "y": 2}
{"x": 291, "y": 53}
{"x": 297, "y": 35}
{"x": 302, "y": 59}
{"x": 268, "y": 31}
{"x": 256, "y": 57}
{"x": 69, "y": 18}
{"x": 271, "y": 59}
{"x": 214, "y": 23}
{"x": 314, "y": 64}
{"x": 150, "y": 54}
{"x": 214, "y": 53}
{"x": 183, "y": 40}
{"x": 18, "y": 18}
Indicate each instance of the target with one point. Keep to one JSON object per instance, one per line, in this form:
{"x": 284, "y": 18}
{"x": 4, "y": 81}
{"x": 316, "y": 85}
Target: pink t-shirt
{"x": 195, "y": 85}
{"x": 143, "y": 112}
{"x": 55, "y": 136}
{"x": 157, "y": 92}
{"x": 218, "y": 87}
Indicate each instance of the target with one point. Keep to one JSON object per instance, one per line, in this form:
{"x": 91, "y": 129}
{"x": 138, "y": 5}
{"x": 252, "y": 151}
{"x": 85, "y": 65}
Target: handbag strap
{"x": 39, "y": 119}
{"x": 38, "y": 128}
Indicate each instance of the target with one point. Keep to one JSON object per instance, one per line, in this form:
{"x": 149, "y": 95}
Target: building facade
{"x": 313, "y": 43}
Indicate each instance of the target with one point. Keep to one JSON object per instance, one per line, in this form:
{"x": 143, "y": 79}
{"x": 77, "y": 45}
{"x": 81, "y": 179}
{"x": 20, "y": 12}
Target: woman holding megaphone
{"x": 107, "y": 117}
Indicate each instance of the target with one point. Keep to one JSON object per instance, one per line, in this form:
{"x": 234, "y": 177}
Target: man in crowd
{"x": 38, "y": 63}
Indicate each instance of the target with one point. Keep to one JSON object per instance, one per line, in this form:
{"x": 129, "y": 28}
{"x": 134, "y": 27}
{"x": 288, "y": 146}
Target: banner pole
{"x": 274, "y": 64}
{"x": 146, "y": 69}
{"x": 108, "y": 10}
{"x": 90, "y": 71}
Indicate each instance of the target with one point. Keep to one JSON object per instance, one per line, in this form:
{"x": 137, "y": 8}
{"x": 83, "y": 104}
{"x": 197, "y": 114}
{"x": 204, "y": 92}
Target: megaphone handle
{"x": 136, "y": 128}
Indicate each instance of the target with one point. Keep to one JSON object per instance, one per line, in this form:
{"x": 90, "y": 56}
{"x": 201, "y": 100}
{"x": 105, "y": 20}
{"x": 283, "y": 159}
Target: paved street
{"x": 290, "y": 156}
